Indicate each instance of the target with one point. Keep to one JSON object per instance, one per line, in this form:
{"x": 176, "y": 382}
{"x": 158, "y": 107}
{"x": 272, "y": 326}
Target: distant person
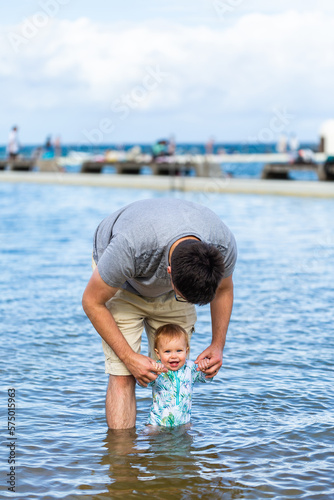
{"x": 171, "y": 146}
{"x": 209, "y": 146}
{"x": 57, "y": 147}
{"x": 281, "y": 146}
{"x": 293, "y": 143}
{"x": 172, "y": 390}
{"x": 13, "y": 146}
{"x": 48, "y": 149}
{"x": 160, "y": 149}
{"x": 153, "y": 260}
{"x": 305, "y": 156}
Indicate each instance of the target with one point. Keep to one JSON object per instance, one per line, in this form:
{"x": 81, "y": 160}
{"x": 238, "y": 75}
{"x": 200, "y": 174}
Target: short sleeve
{"x": 116, "y": 264}
{"x": 230, "y": 257}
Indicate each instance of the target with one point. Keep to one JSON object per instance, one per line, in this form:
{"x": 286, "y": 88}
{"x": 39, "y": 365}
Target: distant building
{"x": 327, "y": 138}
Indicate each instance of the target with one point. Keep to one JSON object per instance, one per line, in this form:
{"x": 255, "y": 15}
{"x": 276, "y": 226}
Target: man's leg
{"x": 120, "y": 398}
{"x": 121, "y": 402}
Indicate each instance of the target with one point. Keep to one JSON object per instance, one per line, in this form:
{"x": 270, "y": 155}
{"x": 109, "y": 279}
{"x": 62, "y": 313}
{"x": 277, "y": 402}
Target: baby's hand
{"x": 158, "y": 367}
{"x": 203, "y": 364}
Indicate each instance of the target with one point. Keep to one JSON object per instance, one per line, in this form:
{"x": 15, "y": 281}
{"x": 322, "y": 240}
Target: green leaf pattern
{"x": 172, "y": 395}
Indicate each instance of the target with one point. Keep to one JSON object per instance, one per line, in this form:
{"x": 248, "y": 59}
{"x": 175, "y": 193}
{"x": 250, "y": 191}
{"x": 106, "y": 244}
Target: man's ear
{"x": 169, "y": 270}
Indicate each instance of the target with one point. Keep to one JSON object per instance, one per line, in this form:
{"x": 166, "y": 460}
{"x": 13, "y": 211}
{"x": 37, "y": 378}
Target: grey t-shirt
{"x": 131, "y": 246}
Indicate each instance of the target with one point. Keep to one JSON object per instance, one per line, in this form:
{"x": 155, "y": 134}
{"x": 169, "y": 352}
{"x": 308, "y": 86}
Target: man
{"x": 155, "y": 259}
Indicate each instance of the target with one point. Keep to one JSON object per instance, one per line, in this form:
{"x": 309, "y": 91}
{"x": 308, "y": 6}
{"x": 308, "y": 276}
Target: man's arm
{"x": 95, "y": 296}
{"x": 221, "y": 309}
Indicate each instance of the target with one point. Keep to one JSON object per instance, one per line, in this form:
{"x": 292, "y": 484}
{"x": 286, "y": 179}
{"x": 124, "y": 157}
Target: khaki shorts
{"x": 133, "y": 313}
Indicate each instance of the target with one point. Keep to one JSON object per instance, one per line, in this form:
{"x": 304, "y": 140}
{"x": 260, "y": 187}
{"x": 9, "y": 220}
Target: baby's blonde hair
{"x": 171, "y": 331}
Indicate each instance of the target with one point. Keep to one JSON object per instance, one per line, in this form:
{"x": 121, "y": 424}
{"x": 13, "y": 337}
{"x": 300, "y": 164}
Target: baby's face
{"x": 172, "y": 352}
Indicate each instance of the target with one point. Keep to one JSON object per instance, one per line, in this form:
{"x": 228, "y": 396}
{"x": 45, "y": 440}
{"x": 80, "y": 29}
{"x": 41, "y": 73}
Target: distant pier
{"x": 276, "y": 166}
{"x": 206, "y": 186}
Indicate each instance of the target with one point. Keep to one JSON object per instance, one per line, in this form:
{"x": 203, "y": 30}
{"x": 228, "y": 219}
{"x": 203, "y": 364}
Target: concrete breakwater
{"x": 205, "y": 185}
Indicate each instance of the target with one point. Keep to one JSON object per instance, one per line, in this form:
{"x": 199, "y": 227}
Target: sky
{"x": 107, "y": 72}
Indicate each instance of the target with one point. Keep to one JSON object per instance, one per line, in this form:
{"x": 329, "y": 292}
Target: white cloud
{"x": 214, "y": 76}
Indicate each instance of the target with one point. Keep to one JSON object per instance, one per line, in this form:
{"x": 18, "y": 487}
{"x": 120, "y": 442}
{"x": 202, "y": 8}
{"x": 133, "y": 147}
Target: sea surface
{"x": 262, "y": 430}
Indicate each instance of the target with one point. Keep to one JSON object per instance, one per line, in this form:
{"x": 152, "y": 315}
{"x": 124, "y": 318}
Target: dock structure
{"x": 324, "y": 171}
{"x": 203, "y": 168}
{"x": 282, "y": 170}
{"x": 29, "y": 164}
{"x": 205, "y": 186}
{"x": 276, "y": 166}
{"x": 224, "y": 158}
{"x": 17, "y": 164}
{"x": 48, "y": 165}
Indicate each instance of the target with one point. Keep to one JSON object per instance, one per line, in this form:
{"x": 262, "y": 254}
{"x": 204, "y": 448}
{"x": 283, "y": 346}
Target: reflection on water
{"x": 147, "y": 458}
{"x": 264, "y": 428}
{"x": 162, "y": 465}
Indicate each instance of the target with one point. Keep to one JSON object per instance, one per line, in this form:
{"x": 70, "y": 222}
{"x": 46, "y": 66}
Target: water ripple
{"x": 265, "y": 427}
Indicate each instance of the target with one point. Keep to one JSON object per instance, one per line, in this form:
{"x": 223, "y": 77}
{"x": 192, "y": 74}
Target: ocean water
{"x": 264, "y": 427}
{"x": 181, "y": 148}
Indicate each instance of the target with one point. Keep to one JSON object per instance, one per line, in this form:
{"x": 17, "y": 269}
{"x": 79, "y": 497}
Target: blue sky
{"x": 111, "y": 72}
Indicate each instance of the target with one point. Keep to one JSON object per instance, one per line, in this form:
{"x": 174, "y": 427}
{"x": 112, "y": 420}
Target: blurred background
{"x": 225, "y": 71}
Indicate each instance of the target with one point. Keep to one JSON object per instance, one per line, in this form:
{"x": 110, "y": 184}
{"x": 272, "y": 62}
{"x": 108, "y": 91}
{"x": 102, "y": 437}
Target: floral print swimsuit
{"x": 172, "y": 393}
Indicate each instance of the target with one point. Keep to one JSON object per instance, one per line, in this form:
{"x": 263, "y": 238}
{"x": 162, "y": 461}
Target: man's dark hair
{"x": 197, "y": 269}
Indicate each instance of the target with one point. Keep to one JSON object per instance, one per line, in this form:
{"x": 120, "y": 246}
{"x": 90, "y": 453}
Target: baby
{"x": 172, "y": 391}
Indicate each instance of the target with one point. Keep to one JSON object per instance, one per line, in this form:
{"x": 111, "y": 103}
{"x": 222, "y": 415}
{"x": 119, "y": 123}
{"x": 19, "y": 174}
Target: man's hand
{"x": 144, "y": 369}
{"x": 210, "y": 361}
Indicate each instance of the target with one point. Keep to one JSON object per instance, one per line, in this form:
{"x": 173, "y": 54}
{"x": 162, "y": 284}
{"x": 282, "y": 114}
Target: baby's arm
{"x": 159, "y": 367}
{"x": 203, "y": 364}
{"x": 200, "y": 375}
